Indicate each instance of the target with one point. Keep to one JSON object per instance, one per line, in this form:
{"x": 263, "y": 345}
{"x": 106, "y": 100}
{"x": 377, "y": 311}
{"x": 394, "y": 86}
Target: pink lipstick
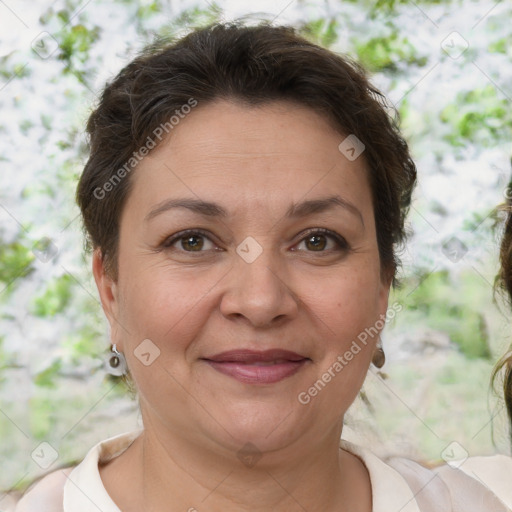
{"x": 253, "y": 367}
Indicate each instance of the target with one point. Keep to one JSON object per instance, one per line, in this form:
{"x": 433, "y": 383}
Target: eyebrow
{"x": 296, "y": 210}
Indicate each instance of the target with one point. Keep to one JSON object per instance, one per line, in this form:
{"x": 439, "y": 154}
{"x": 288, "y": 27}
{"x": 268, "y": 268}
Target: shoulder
{"x": 474, "y": 484}
{"x": 53, "y": 492}
{"x": 493, "y": 475}
{"x": 46, "y": 495}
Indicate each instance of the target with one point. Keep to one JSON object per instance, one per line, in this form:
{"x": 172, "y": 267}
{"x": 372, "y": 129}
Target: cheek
{"x": 161, "y": 308}
{"x": 348, "y": 302}
{"x": 165, "y": 305}
{"x": 348, "y": 315}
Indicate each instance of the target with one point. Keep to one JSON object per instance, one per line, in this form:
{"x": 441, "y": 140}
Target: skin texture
{"x": 309, "y": 296}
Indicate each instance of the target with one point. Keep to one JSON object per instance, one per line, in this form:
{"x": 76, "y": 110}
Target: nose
{"x": 259, "y": 292}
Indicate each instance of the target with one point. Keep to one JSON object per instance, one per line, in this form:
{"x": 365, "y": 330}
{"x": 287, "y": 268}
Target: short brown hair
{"x": 254, "y": 65}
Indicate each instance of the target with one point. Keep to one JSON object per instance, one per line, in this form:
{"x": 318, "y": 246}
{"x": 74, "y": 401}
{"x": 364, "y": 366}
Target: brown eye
{"x": 318, "y": 241}
{"x": 194, "y": 242}
{"x": 189, "y": 241}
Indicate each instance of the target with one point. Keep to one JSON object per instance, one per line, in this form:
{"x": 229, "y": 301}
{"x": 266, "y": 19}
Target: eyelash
{"x": 338, "y": 239}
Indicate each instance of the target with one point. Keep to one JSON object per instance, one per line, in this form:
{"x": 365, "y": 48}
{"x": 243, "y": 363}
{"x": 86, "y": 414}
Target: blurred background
{"x": 446, "y": 66}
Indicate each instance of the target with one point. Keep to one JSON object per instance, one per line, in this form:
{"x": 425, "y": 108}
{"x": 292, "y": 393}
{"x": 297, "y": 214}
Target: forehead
{"x": 265, "y": 154}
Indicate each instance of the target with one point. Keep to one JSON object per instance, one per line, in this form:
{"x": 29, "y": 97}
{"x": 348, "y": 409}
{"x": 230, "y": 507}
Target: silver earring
{"x": 379, "y": 357}
{"x": 116, "y": 362}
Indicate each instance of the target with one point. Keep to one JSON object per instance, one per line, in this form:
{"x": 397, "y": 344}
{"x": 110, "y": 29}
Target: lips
{"x": 253, "y": 367}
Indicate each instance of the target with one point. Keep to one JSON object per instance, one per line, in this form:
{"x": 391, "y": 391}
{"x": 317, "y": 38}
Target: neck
{"x": 312, "y": 477}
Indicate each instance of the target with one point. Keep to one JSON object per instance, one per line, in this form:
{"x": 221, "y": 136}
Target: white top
{"x": 479, "y": 484}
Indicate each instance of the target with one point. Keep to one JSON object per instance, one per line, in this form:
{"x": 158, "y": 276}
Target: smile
{"x": 253, "y": 367}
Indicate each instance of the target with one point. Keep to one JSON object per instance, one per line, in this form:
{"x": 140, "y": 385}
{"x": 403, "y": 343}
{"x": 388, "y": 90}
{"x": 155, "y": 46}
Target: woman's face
{"x": 249, "y": 327}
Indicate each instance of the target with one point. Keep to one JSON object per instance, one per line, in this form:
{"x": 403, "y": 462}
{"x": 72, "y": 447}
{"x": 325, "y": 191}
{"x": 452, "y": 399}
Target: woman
{"x": 244, "y": 196}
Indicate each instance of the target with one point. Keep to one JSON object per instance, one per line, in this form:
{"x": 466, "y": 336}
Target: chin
{"x": 267, "y": 426}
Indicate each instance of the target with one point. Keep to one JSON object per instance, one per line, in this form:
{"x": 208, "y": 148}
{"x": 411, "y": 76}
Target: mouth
{"x": 253, "y": 367}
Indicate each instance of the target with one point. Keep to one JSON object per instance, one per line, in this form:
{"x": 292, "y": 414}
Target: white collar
{"x": 84, "y": 490}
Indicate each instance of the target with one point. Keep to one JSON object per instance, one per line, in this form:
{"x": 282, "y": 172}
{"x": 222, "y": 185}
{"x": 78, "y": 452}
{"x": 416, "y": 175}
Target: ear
{"x": 109, "y": 296}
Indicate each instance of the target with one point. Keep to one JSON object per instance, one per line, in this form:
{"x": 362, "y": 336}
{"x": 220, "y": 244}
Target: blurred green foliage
{"x": 55, "y": 299}
{"x": 322, "y": 31}
{"x": 75, "y": 42}
{"x": 479, "y": 117}
{"x": 450, "y": 305}
{"x": 388, "y": 53}
{"x": 15, "y": 263}
{"x": 47, "y": 377}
